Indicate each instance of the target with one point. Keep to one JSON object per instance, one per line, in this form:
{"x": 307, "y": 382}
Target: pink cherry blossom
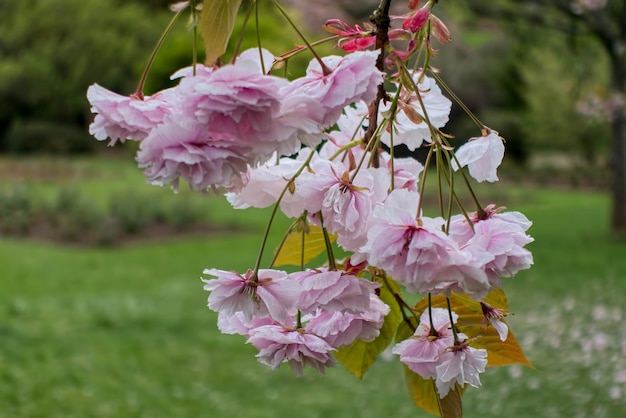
{"x": 120, "y": 117}
{"x": 351, "y": 78}
{"x": 500, "y": 247}
{"x": 240, "y": 104}
{"x": 271, "y": 294}
{"x": 496, "y": 241}
{"x": 463, "y": 366}
{"x": 409, "y": 131}
{"x": 297, "y": 347}
{"x": 238, "y": 324}
{"x": 263, "y": 185}
{"x": 181, "y": 147}
{"x": 493, "y": 316}
{"x": 425, "y": 350}
{"x": 482, "y": 156}
{"x": 346, "y": 203}
{"x": 333, "y": 290}
{"x": 343, "y": 328}
{"x": 417, "y": 253}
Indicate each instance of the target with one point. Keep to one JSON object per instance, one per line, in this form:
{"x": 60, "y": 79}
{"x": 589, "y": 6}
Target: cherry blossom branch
{"x": 380, "y": 18}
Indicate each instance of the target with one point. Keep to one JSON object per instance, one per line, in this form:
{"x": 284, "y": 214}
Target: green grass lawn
{"x": 125, "y": 332}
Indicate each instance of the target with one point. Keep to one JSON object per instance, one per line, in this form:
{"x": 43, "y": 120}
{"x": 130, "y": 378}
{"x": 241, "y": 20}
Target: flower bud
{"x": 440, "y": 30}
{"x": 419, "y": 19}
{"x": 413, "y": 4}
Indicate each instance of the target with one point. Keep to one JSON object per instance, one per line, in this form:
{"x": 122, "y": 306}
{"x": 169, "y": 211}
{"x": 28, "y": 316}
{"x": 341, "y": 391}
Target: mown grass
{"x": 125, "y": 332}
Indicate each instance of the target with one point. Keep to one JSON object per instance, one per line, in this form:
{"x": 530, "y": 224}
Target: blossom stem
{"x": 142, "y": 81}
{"x": 456, "y": 337}
{"x": 329, "y": 248}
{"x": 194, "y": 42}
{"x": 287, "y": 55}
{"x": 433, "y": 332}
{"x": 258, "y": 34}
{"x": 242, "y": 32}
{"x": 423, "y": 182}
{"x": 273, "y": 214}
{"x": 325, "y": 69}
{"x": 457, "y": 100}
{"x": 479, "y": 208}
{"x": 380, "y": 18}
{"x": 402, "y": 304}
{"x": 282, "y": 242}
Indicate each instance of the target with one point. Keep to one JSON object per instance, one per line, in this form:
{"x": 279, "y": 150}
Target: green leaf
{"x": 359, "y": 356}
{"x": 295, "y": 252}
{"x": 216, "y": 25}
{"x": 423, "y": 393}
{"x": 471, "y": 323}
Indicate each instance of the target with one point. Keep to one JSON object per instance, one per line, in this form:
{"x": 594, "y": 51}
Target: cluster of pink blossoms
{"x": 299, "y": 145}
{"x": 298, "y": 318}
{"x": 218, "y": 121}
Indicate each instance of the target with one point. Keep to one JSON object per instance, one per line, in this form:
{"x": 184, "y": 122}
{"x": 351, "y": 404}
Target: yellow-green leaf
{"x": 471, "y": 323}
{"x": 423, "y": 393}
{"x": 216, "y": 25}
{"x": 294, "y": 251}
{"x": 359, "y": 356}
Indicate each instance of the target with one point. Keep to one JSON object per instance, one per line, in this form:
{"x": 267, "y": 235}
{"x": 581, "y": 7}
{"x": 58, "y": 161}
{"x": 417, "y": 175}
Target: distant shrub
{"x": 17, "y": 210}
{"x": 39, "y": 136}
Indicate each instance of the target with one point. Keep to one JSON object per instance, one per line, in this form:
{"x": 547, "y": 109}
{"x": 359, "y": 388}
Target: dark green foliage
{"x": 40, "y": 136}
{"x": 17, "y": 210}
{"x": 52, "y": 50}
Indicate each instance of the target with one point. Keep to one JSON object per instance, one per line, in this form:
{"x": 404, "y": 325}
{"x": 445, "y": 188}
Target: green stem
{"x": 243, "y": 31}
{"x": 456, "y": 337}
{"x": 273, "y": 215}
{"x": 332, "y": 265}
{"x": 402, "y": 304}
{"x": 457, "y": 100}
{"x": 142, "y": 81}
{"x": 325, "y": 69}
{"x": 258, "y": 35}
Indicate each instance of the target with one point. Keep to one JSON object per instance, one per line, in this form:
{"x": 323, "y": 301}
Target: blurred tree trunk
{"x": 604, "y": 20}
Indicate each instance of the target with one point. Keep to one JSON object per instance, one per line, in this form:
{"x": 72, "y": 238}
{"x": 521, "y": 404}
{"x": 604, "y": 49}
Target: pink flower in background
{"x": 333, "y": 291}
{"x": 425, "y": 350}
{"x": 351, "y": 79}
{"x": 277, "y": 345}
{"x": 273, "y": 294}
{"x": 343, "y": 328}
{"x": 463, "y": 366}
{"x": 182, "y": 148}
{"x": 482, "y": 155}
{"x": 121, "y": 117}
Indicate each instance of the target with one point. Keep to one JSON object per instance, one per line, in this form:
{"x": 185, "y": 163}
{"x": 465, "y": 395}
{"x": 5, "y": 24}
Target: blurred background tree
{"x": 50, "y": 51}
{"x": 548, "y": 75}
